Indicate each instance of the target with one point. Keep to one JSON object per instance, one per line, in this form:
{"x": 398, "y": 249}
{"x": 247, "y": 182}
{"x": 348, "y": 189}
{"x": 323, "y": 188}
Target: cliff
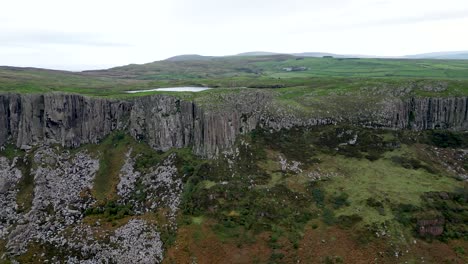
{"x": 166, "y": 122}
{"x": 162, "y": 121}
{"x": 69, "y": 120}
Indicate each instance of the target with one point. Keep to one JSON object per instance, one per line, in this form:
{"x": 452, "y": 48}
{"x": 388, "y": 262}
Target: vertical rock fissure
{"x": 465, "y": 116}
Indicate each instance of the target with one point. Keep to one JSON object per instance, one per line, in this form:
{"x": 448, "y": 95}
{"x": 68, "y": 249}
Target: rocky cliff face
{"x": 69, "y": 120}
{"x": 166, "y": 122}
{"x": 162, "y": 121}
{"x": 432, "y": 113}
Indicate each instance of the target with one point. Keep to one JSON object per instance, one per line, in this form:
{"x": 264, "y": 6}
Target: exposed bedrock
{"x": 165, "y": 122}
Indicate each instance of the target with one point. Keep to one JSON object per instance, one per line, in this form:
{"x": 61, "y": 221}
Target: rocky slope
{"x": 61, "y": 198}
{"x": 165, "y": 122}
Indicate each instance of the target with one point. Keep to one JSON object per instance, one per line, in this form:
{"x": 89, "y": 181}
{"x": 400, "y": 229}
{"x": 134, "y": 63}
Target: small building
{"x": 291, "y": 69}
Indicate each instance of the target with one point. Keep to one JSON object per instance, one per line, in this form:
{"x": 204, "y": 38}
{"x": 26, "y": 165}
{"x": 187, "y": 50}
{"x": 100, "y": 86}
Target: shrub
{"x": 329, "y": 216}
{"x": 146, "y": 160}
{"x": 404, "y": 213}
{"x": 111, "y": 211}
{"x": 410, "y": 163}
{"x": 319, "y": 196}
{"x": 445, "y": 139}
{"x": 340, "y": 200}
{"x": 459, "y": 250}
{"x": 378, "y": 205}
{"x": 188, "y": 169}
{"x": 348, "y": 221}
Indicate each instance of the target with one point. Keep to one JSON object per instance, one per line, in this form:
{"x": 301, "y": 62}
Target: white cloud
{"x": 93, "y": 34}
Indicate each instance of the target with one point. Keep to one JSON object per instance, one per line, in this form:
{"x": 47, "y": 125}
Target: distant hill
{"x": 316, "y": 54}
{"x": 189, "y": 57}
{"x": 305, "y": 54}
{"x": 302, "y": 54}
{"x": 258, "y": 53}
{"x": 450, "y": 55}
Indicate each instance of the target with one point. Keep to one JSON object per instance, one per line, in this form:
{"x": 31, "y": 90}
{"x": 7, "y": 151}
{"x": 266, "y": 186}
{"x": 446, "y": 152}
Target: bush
{"x": 459, "y": 250}
{"x": 445, "y": 139}
{"x": 276, "y": 256}
{"x": 329, "y": 217}
{"x": 333, "y": 260}
{"x": 373, "y": 155}
{"x": 340, "y": 200}
{"x": 188, "y": 169}
{"x": 111, "y": 211}
{"x": 404, "y": 214}
{"x": 378, "y": 205}
{"x": 410, "y": 163}
{"x": 348, "y": 221}
{"x": 146, "y": 160}
{"x": 319, "y": 196}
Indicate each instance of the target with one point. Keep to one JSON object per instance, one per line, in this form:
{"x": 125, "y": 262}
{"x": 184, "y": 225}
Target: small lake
{"x": 173, "y": 89}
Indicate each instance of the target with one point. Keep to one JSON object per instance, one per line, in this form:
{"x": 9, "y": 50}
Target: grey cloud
{"x": 28, "y": 38}
{"x": 421, "y": 18}
{"x": 208, "y": 11}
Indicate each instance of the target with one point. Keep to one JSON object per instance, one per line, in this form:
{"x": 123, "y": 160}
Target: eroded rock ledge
{"x": 166, "y": 122}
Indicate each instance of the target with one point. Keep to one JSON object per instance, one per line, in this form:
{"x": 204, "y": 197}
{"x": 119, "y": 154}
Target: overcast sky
{"x": 91, "y": 34}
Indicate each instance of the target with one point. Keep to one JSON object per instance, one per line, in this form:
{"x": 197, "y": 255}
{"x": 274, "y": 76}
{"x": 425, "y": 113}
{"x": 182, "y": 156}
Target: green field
{"x": 322, "y": 76}
{"x": 273, "y": 67}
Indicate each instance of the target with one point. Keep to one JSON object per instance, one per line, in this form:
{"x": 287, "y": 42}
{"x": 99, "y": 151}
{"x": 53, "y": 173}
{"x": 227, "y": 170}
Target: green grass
{"x": 111, "y": 153}
{"x": 25, "y": 195}
{"x": 10, "y": 152}
{"x": 324, "y": 77}
{"x": 381, "y": 180}
{"x": 197, "y": 220}
{"x": 208, "y": 184}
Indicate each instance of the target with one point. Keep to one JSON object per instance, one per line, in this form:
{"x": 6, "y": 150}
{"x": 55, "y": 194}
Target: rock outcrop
{"x": 59, "y": 179}
{"x": 9, "y": 178}
{"x": 165, "y": 122}
{"x": 62, "y": 198}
